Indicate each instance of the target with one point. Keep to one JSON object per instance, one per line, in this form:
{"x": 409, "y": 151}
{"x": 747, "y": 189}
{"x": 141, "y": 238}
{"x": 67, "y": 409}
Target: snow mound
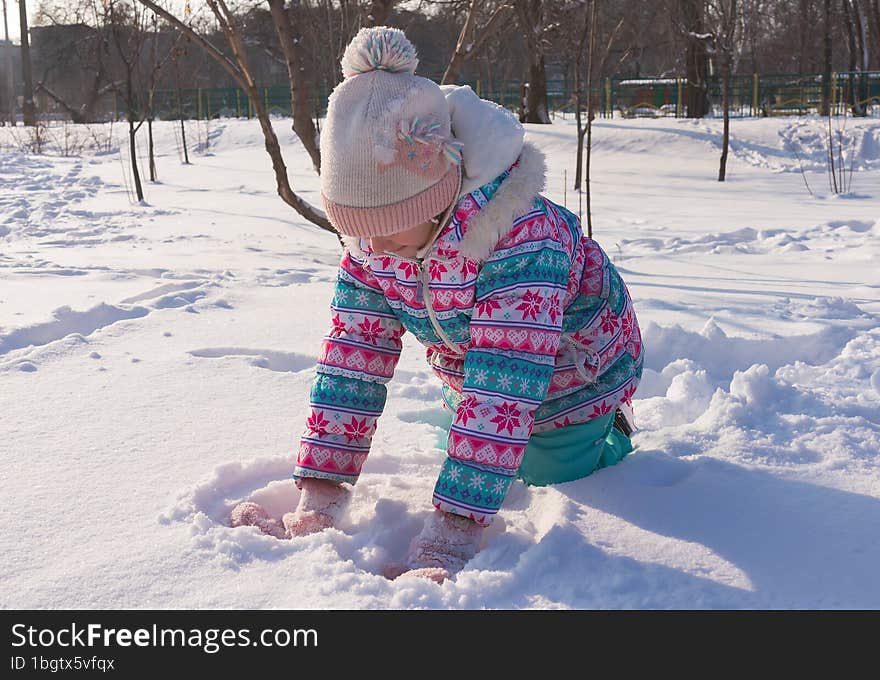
{"x": 843, "y": 235}
{"x": 856, "y": 143}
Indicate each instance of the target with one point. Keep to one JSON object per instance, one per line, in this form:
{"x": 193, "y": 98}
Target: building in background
{"x": 10, "y": 80}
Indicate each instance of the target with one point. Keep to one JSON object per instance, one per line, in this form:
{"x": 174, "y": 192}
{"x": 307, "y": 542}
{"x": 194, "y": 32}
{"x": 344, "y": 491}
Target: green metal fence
{"x": 755, "y": 95}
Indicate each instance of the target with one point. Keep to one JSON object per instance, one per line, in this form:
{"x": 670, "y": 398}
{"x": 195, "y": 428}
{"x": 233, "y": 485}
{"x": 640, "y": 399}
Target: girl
{"x": 526, "y": 322}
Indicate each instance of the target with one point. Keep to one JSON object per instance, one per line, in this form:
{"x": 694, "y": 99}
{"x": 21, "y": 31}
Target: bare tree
{"x": 7, "y": 96}
{"x": 85, "y": 112}
{"x": 872, "y": 10}
{"x": 468, "y": 44}
{"x": 855, "y": 23}
{"x": 238, "y": 68}
{"x": 860, "y": 9}
{"x": 29, "y": 110}
{"x": 176, "y": 54}
{"x": 588, "y": 35}
{"x": 723, "y": 17}
{"x": 74, "y": 67}
{"x": 533, "y": 24}
{"x": 827, "y": 66}
{"x": 807, "y": 23}
{"x": 340, "y": 26}
{"x": 691, "y": 23}
{"x": 300, "y": 84}
{"x": 128, "y": 34}
{"x": 158, "y": 62}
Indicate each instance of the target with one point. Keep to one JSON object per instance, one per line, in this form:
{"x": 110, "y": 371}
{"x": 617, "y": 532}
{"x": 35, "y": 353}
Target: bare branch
{"x": 241, "y": 73}
{"x": 202, "y": 42}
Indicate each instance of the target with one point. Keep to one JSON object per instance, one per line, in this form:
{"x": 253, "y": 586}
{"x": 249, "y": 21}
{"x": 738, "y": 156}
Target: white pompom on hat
{"x": 389, "y": 160}
{"x": 379, "y": 49}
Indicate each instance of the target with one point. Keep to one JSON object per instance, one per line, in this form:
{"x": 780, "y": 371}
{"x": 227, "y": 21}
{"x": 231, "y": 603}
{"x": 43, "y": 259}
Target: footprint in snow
{"x": 284, "y": 362}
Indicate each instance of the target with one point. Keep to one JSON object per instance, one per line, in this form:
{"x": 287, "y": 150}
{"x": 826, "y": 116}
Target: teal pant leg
{"x": 568, "y": 453}
{"x": 572, "y": 452}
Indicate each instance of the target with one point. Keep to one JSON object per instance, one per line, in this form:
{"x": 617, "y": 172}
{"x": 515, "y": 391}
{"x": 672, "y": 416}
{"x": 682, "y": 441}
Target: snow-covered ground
{"x": 155, "y": 364}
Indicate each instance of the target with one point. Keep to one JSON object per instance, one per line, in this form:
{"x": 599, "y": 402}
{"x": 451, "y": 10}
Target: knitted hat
{"x": 389, "y": 161}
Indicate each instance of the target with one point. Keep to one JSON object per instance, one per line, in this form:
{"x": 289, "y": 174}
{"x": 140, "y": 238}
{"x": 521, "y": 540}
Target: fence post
{"x": 199, "y": 103}
{"x": 115, "y": 106}
{"x": 754, "y": 93}
{"x": 237, "y": 103}
{"x": 678, "y": 106}
{"x": 609, "y": 108}
{"x": 833, "y": 92}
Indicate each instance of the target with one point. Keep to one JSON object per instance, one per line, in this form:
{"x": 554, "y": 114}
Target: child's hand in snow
{"x": 443, "y": 547}
{"x": 320, "y": 506}
{"x": 254, "y": 515}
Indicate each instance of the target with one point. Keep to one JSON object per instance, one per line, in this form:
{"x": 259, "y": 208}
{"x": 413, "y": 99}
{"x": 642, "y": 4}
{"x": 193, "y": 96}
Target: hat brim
{"x": 390, "y": 219}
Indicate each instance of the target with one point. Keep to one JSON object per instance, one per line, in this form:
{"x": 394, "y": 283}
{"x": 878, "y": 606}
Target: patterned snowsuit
{"x": 529, "y": 328}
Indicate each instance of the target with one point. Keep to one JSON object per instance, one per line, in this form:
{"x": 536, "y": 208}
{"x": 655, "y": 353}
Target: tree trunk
{"x": 183, "y": 141}
{"x": 330, "y": 40}
{"x": 581, "y": 129}
{"x": 132, "y": 149}
{"x": 873, "y": 12}
{"x": 300, "y": 87}
{"x": 696, "y": 59}
{"x": 594, "y": 19}
{"x": 579, "y": 162}
{"x": 180, "y": 112}
{"x": 8, "y": 115}
{"x": 29, "y": 110}
{"x": 865, "y": 30}
{"x": 282, "y": 185}
{"x": 87, "y": 110}
{"x": 153, "y": 176}
{"x": 578, "y": 102}
{"x": 854, "y": 48}
{"x": 378, "y": 13}
{"x": 804, "y": 35}
{"x": 536, "y": 104}
{"x": 531, "y": 21}
{"x": 863, "y": 35}
{"x": 725, "y": 105}
{"x": 826, "y": 73}
{"x": 8, "y": 96}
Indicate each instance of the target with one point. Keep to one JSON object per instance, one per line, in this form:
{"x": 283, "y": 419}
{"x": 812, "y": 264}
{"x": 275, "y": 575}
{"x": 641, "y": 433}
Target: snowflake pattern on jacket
{"x": 542, "y": 332}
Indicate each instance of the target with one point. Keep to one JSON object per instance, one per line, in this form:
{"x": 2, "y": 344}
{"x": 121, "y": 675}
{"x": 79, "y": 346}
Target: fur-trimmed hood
{"x": 491, "y": 136}
{"x": 515, "y": 197}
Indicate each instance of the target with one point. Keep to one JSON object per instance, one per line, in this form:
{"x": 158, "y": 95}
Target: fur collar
{"x": 353, "y": 245}
{"x": 514, "y": 198}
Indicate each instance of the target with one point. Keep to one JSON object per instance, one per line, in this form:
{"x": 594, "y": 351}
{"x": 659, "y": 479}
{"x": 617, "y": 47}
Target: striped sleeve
{"x": 357, "y": 358}
{"x": 515, "y": 333}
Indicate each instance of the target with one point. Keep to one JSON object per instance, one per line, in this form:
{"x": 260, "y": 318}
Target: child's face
{"x": 404, "y": 243}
